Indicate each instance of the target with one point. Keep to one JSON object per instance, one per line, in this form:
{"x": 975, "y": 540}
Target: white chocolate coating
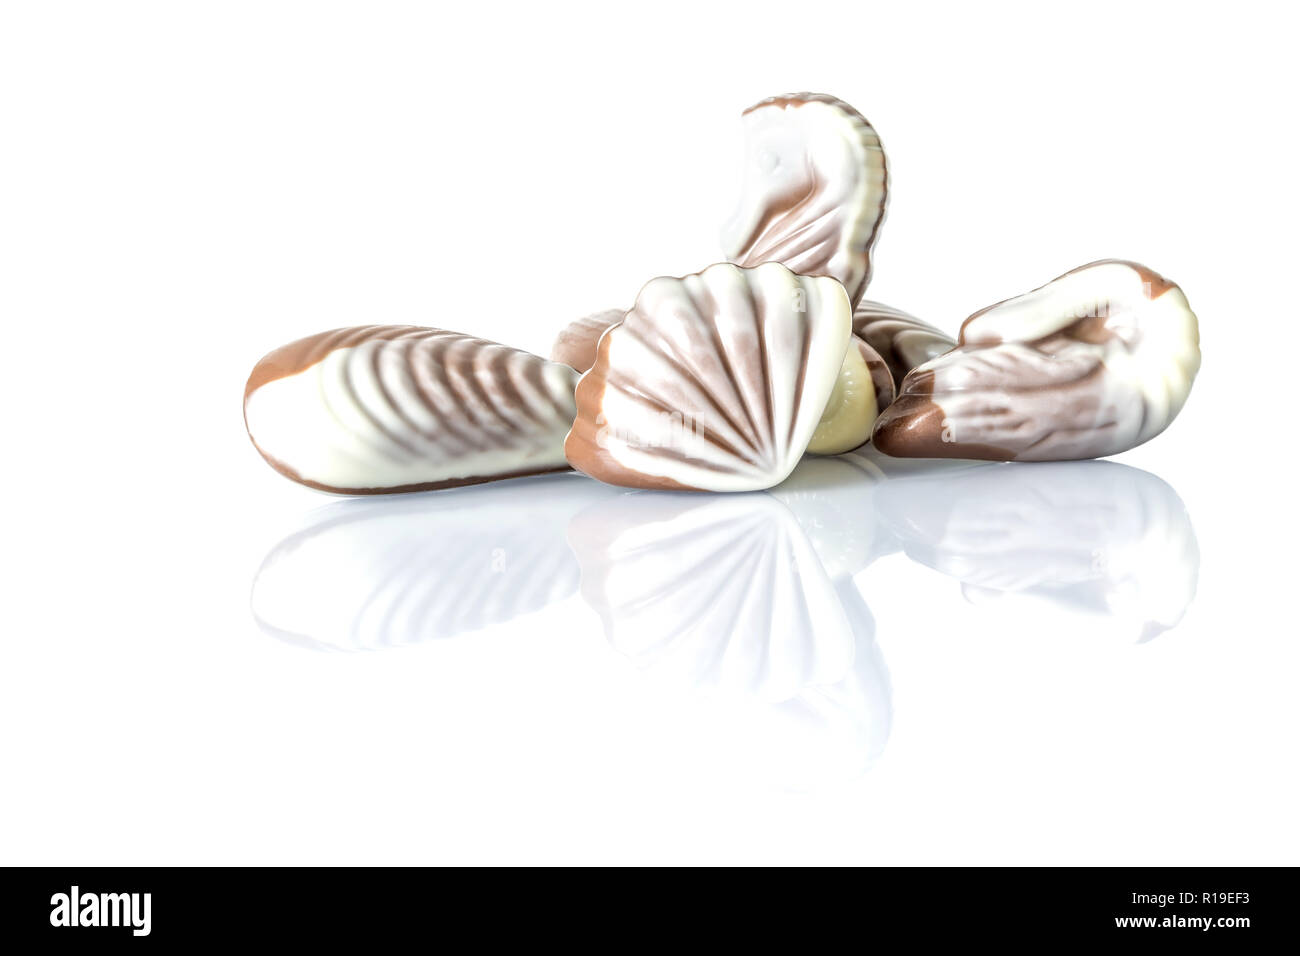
{"x": 395, "y": 408}
{"x": 850, "y": 412}
{"x": 814, "y": 192}
{"x": 1091, "y": 364}
{"x": 715, "y": 381}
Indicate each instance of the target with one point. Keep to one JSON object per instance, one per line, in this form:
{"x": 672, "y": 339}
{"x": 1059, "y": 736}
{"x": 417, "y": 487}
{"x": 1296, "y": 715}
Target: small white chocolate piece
{"x": 714, "y": 382}
{"x": 389, "y": 408}
{"x": 852, "y": 409}
{"x": 814, "y": 192}
{"x": 1095, "y": 362}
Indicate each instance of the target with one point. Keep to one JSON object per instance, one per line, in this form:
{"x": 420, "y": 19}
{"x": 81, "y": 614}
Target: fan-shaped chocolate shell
{"x": 715, "y": 381}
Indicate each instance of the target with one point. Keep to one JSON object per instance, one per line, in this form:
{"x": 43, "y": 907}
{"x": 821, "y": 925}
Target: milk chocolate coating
{"x": 1095, "y": 362}
{"x": 816, "y": 185}
{"x": 380, "y": 409}
{"x": 575, "y": 346}
{"x": 713, "y": 382}
{"x": 903, "y": 341}
{"x": 881, "y": 377}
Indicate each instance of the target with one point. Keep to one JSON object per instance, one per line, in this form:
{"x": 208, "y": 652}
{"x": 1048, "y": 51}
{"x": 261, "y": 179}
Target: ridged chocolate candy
{"x": 1095, "y": 362}
{"x": 389, "y": 408}
{"x": 575, "y": 346}
{"x": 815, "y": 190}
{"x": 902, "y": 340}
{"x": 715, "y": 381}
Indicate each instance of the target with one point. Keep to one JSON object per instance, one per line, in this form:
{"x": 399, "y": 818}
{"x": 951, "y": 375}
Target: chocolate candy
{"x": 815, "y": 190}
{"x": 715, "y": 381}
{"x": 851, "y": 410}
{"x": 389, "y": 408}
{"x": 902, "y": 340}
{"x": 881, "y": 377}
{"x": 1095, "y": 362}
{"x": 575, "y": 346}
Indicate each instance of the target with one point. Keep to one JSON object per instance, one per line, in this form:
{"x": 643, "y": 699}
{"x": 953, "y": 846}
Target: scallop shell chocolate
{"x": 1095, "y": 362}
{"x": 715, "y": 382}
{"x": 389, "y": 408}
{"x": 575, "y": 346}
{"x": 815, "y": 187}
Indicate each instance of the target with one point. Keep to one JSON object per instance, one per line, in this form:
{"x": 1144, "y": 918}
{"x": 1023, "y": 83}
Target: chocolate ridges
{"x": 575, "y": 346}
{"x": 383, "y": 409}
{"x": 714, "y": 381}
{"x": 816, "y": 186}
{"x": 903, "y": 341}
{"x": 1093, "y": 363}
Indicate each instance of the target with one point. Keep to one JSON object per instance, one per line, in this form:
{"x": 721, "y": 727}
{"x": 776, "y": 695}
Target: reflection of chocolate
{"x": 815, "y": 186}
{"x": 902, "y": 340}
{"x": 1095, "y": 362}
{"x": 377, "y": 409}
{"x": 715, "y": 381}
{"x": 575, "y": 346}
{"x": 1096, "y": 536}
{"x": 724, "y": 594}
{"x": 388, "y": 571}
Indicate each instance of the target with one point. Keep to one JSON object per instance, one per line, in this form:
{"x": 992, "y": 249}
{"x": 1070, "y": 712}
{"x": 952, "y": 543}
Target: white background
{"x": 186, "y": 186}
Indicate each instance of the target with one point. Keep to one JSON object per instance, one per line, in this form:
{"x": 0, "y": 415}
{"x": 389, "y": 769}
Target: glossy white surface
{"x": 714, "y": 381}
{"x": 185, "y": 190}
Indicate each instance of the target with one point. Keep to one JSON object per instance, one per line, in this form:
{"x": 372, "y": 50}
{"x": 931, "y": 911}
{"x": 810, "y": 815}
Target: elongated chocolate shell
{"x": 575, "y": 346}
{"x": 1095, "y": 362}
{"x": 814, "y": 192}
{"x": 713, "y": 382}
{"x": 389, "y": 408}
{"x": 902, "y": 340}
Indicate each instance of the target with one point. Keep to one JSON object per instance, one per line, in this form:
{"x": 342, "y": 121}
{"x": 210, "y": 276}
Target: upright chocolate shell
{"x": 815, "y": 188}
